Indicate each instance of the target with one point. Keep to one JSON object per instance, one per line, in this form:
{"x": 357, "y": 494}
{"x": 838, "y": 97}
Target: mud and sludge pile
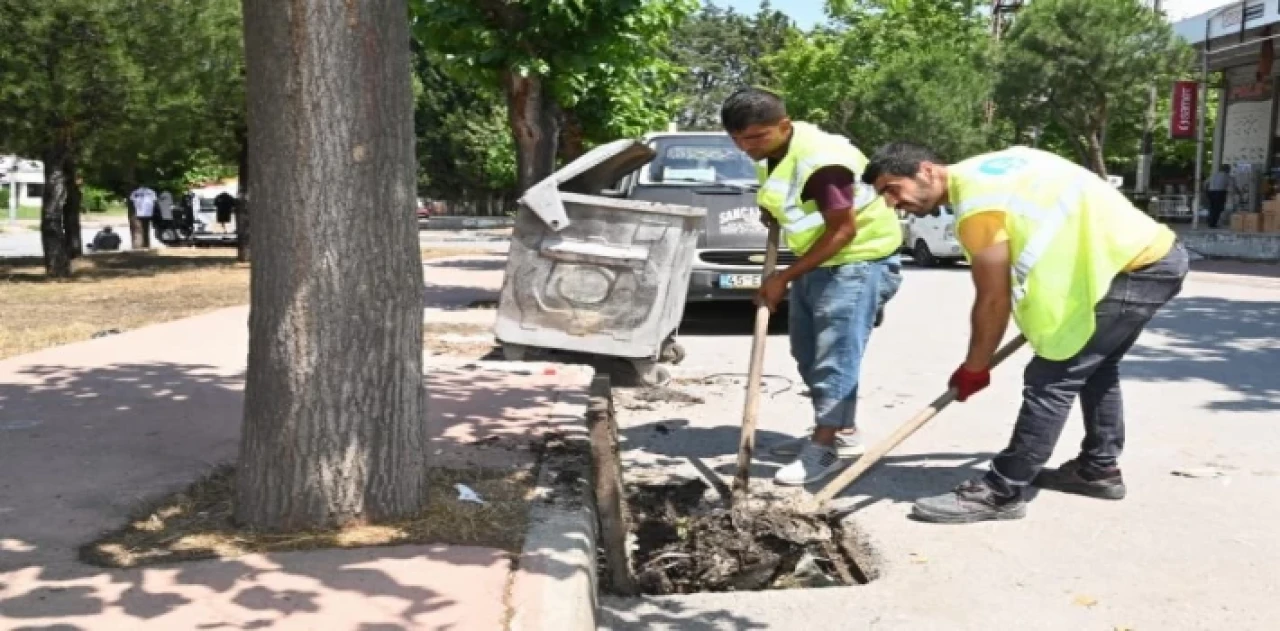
{"x": 684, "y": 544}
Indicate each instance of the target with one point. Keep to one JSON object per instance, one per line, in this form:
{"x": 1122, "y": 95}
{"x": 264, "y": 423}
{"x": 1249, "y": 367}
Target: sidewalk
{"x": 90, "y": 429}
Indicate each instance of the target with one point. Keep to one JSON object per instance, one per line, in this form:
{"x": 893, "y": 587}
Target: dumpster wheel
{"x": 672, "y": 352}
{"x": 650, "y": 374}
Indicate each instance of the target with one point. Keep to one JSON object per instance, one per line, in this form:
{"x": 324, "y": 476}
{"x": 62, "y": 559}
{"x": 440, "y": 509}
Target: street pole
{"x": 1204, "y": 98}
{"x": 1147, "y": 159}
{"x": 13, "y": 194}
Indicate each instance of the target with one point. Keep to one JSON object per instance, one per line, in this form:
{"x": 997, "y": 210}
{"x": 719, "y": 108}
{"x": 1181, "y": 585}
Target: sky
{"x": 806, "y": 13}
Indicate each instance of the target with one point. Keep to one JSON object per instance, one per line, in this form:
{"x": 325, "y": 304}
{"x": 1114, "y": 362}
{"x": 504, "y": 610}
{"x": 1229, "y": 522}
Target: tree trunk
{"x": 242, "y": 206}
{"x": 53, "y": 228}
{"x": 1097, "y": 161}
{"x": 572, "y": 138}
{"x": 535, "y": 125}
{"x": 71, "y": 211}
{"x": 334, "y": 432}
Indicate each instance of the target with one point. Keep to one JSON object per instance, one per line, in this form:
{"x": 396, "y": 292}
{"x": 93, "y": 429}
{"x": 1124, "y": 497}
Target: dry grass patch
{"x": 120, "y": 292}
{"x": 197, "y": 523}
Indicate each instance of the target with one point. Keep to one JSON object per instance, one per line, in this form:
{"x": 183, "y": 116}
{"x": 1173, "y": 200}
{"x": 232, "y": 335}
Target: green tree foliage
{"x": 894, "y": 69}
{"x": 721, "y": 51}
{"x": 465, "y": 149}
{"x": 571, "y": 72}
{"x": 182, "y": 118}
{"x": 60, "y": 61}
{"x": 117, "y": 92}
{"x": 1081, "y": 69}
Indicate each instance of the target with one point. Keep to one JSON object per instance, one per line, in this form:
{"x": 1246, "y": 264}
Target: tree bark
{"x": 334, "y": 432}
{"x": 535, "y": 124}
{"x": 242, "y": 206}
{"x": 572, "y": 138}
{"x": 53, "y": 228}
{"x": 71, "y": 211}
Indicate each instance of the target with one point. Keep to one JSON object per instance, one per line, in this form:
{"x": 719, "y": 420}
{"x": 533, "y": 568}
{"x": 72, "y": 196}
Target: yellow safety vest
{"x": 879, "y": 234}
{"x": 1070, "y": 234}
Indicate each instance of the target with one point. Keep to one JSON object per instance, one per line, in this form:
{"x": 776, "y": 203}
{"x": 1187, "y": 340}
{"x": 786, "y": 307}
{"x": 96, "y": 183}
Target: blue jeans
{"x": 833, "y": 310}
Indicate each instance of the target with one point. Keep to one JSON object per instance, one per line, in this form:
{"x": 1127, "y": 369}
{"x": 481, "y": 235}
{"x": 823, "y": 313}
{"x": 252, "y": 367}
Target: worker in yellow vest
{"x": 1081, "y": 271}
{"x": 847, "y": 241}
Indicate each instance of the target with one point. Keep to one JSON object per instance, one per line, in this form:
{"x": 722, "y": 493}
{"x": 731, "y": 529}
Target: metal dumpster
{"x": 598, "y": 274}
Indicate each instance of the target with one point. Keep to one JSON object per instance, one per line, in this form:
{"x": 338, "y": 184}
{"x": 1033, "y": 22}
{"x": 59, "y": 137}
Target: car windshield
{"x": 698, "y": 159}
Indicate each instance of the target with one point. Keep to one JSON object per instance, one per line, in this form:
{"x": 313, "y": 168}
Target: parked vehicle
{"x": 705, "y": 169}
{"x": 931, "y": 240}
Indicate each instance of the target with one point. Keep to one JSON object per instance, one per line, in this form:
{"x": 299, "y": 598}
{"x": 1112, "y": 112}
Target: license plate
{"x": 740, "y": 281}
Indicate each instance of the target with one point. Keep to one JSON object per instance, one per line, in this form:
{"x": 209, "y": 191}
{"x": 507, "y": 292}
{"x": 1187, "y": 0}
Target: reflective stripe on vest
{"x": 1050, "y": 220}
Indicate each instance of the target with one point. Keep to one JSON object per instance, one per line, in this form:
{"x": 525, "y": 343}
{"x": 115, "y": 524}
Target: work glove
{"x": 968, "y": 383}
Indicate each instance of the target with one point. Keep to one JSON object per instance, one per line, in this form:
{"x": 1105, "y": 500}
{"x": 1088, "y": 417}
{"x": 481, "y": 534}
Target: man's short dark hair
{"x": 901, "y": 159}
{"x": 751, "y": 106}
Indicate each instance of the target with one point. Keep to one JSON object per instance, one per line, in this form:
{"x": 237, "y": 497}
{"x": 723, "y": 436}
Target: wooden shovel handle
{"x": 873, "y": 456}
{"x": 751, "y": 411}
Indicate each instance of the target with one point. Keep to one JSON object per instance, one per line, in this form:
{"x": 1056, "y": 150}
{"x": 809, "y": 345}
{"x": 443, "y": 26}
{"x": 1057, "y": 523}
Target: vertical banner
{"x": 1182, "y": 123}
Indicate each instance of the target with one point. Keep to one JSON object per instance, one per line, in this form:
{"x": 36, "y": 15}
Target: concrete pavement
{"x": 1202, "y": 394}
{"x": 89, "y": 430}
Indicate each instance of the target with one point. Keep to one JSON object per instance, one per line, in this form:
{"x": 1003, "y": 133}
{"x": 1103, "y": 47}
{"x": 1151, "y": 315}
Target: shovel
{"x": 751, "y": 411}
{"x": 873, "y": 456}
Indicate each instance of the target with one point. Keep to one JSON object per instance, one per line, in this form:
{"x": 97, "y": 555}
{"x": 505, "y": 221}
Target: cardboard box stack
{"x": 1269, "y": 222}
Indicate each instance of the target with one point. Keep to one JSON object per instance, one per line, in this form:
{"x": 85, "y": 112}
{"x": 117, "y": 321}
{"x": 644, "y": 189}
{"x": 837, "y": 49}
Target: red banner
{"x": 1182, "y": 120}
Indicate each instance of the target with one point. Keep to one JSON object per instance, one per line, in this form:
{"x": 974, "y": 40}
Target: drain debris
{"x": 685, "y": 547}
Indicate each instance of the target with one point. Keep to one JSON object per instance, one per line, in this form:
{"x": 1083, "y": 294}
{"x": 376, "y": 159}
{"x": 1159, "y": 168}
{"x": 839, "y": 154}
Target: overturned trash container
{"x": 591, "y": 273}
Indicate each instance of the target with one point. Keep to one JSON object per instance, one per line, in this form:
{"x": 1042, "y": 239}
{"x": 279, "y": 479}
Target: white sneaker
{"x": 815, "y": 462}
{"x": 847, "y": 445}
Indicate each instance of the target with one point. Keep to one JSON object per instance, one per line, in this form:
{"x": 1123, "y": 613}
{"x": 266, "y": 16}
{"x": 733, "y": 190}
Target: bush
{"x": 95, "y": 200}
{"x": 4, "y": 198}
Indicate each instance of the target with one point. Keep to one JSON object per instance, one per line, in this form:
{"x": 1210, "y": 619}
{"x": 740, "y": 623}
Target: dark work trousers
{"x": 1217, "y": 204}
{"x": 1093, "y": 375}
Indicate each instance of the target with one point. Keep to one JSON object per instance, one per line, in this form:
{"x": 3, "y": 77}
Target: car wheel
{"x": 922, "y": 255}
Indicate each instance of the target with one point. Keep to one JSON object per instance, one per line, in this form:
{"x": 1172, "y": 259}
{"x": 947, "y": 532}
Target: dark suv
{"x": 706, "y": 170}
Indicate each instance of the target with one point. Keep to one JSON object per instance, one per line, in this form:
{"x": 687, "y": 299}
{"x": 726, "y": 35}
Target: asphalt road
{"x": 1202, "y": 394}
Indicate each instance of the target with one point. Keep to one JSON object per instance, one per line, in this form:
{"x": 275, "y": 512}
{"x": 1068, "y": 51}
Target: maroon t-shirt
{"x": 830, "y": 187}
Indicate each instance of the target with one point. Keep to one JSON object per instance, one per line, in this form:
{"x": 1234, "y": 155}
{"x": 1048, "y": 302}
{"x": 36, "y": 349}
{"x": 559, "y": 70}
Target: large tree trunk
{"x": 242, "y": 208}
{"x": 334, "y": 432}
{"x": 535, "y": 125}
{"x": 53, "y": 228}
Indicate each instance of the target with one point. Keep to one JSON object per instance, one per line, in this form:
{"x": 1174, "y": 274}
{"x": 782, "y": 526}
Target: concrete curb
{"x": 555, "y": 583}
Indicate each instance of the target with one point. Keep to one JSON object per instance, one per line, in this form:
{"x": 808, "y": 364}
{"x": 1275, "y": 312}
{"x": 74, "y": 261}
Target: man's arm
{"x": 991, "y": 306}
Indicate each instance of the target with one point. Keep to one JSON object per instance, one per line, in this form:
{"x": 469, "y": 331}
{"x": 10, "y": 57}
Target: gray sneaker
{"x": 814, "y": 463}
{"x": 847, "y": 445}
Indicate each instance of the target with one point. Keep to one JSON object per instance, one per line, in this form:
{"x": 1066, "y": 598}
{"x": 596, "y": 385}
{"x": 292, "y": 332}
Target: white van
{"x": 931, "y": 240}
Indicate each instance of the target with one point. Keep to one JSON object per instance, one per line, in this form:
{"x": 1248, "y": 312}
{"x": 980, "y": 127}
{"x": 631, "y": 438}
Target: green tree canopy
{"x": 1083, "y": 66}
{"x": 571, "y": 72}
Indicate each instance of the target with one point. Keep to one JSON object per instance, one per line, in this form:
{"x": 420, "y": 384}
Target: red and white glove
{"x": 968, "y": 383}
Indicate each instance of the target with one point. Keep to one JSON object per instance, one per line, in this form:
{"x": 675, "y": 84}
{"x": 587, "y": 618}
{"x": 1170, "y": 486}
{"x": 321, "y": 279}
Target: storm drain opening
{"x": 684, "y": 544}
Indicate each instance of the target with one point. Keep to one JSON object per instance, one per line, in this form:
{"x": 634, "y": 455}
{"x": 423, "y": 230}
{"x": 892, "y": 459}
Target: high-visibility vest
{"x": 1070, "y": 234}
{"x": 878, "y": 233}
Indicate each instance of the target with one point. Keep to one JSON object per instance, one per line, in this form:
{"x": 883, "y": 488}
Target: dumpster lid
{"x": 590, "y": 174}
